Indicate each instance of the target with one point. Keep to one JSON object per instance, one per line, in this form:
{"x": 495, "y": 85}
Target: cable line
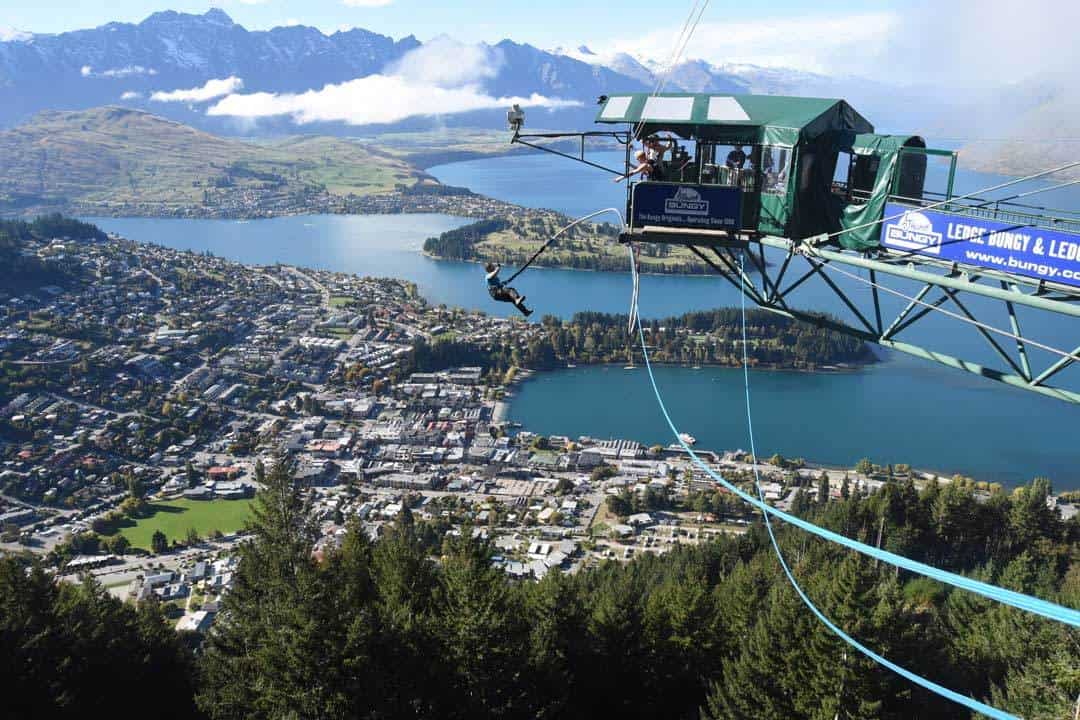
{"x": 880, "y": 660}
{"x": 681, "y": 42}
{"x": 956, "y": 316}
{"x": 552, "y": 239}
{"x": 1012, "y": 598}
{"x": 1008, "y": 597}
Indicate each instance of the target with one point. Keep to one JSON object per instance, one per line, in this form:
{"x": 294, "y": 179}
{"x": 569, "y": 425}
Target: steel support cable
{"x": 1012, "y": 598}
{"x": 930, "y": 685}
{"x": 949, "y": 313}
{"x": 670, "y": 60}
{"x": 682, "y": 47}
{"x": 1029, "y": 193}
{"x": 681, "y": 43}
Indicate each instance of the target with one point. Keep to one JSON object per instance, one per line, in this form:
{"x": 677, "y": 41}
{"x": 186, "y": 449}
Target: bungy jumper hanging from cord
{"x": 808, "y": 194}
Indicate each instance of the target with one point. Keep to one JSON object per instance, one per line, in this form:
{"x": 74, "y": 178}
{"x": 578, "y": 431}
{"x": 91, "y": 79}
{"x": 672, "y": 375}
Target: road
{"x": 87, "y": 406}
{"x": 315, "y": 284}
{"x": 412, "y": 329}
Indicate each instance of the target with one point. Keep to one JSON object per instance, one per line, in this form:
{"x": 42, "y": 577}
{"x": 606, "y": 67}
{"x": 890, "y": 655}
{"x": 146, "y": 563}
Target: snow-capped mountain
{"x": 171, "y": 50}
{"x": 128, "y": 63}
{"x": 10, "y": 34}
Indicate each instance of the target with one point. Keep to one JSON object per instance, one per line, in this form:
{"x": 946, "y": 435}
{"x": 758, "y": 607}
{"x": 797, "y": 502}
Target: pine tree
{"x": 823, "y": 489}
{"x": 615, "y": 628}
{"x": 268, "y": 655}
{"x": 766, "y": 676}
{"x": 159, "y": 543}
{"x": 681, "y": 630}
{"x": 847, "y": 684}
{"x": 406, "y": 590}
{"x": 483, "y": 639}
{"x": 559, "y": 647}
{"x": 73, "y": 650}
{"x": 801, "y": 503}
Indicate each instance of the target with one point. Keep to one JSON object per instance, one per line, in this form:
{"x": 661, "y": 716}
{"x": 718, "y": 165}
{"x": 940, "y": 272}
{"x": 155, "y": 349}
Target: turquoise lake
{"x": 901, "y": 410}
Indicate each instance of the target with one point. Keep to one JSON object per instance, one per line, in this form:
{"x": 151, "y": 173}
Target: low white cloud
{"x": 985, "y": 42}
{"x": 824, "y": 44}
{"x": 127, "y": 71}
{"x": 131, "y": 95}
{"x": 442, "y": 77}
{"x": 212, "y": 89}
{"x": 447, "y": 63}
{"x": 10, "y": 34}
{"x": 366, "y": 3}
{"x": 374, "y": 99}
{"x": 979, "y": 43}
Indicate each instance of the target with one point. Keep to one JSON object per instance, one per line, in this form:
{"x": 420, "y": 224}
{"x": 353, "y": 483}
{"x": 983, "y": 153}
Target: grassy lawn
{"x": 175, "y": 517}
{"x": 339, "y": 301}
{"x": 604, "y": 518}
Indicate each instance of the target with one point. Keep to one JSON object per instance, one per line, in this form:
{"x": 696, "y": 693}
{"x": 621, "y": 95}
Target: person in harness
{"x": 504, "y": 293}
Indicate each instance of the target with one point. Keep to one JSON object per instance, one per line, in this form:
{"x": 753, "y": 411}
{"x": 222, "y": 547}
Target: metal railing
{"x": 994, "y": 210}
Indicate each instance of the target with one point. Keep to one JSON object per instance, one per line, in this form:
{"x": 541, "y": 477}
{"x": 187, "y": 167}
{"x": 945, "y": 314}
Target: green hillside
{"x": 114, "y": 159}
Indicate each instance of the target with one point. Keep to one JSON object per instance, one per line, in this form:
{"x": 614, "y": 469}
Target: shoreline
{"x": 921, "y": 474}
{"x": 701, "y": 275}
{"x": 829, "y": 369}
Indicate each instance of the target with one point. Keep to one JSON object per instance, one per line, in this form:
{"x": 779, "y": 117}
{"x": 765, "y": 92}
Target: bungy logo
{"x": 686, "y": 201}
{"x": 914, "y": 231}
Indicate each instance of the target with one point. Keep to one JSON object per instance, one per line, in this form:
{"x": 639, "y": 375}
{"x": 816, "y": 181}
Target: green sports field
{"x": 175, "y": 517}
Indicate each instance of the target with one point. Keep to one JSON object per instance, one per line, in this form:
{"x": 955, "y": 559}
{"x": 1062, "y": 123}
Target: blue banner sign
{"x": 705, "y": 207}
{"x": 1051, "y": 255}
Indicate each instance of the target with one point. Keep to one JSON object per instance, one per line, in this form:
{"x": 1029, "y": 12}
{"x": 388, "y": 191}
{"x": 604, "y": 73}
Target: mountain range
{"x": 126, "y": 64}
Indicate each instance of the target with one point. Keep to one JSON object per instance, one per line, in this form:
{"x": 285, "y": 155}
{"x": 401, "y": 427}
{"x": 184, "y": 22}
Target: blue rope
{"x": 1008, "y": 597}
{"x": 903, "y": 672}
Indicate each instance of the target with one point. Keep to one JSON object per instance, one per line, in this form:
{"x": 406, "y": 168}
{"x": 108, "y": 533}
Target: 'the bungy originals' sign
{"x": 706, "y": 207}
{"x": 1051, "y": 255}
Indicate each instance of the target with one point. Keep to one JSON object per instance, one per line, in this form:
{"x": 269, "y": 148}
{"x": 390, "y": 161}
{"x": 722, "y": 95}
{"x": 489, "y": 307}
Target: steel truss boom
{"x": 872, "y": 324}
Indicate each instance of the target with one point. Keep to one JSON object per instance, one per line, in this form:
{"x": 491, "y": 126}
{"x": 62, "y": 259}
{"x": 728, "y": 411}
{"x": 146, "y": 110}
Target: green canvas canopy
{"x": 857, "y": 219}
{"x": 747, "y": 119}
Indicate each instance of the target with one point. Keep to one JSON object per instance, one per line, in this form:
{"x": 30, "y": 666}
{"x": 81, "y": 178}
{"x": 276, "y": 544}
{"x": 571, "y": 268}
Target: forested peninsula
{"x": 712, "y": 337}
{"x": 588, "y": 246}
